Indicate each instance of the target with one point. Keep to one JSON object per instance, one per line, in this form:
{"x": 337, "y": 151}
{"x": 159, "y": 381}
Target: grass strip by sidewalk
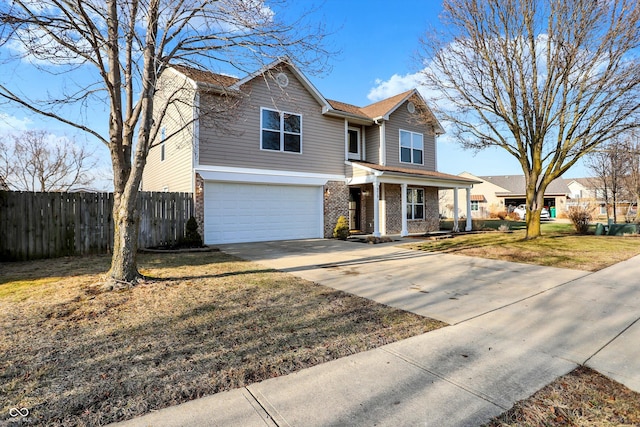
{"x": 582, "y": 398}
{"x": 210, "y": 322}
{"x": 559, "y": 246}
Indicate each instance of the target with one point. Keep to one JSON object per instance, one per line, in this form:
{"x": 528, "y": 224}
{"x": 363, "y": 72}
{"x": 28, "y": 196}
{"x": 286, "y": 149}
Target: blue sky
{"x": 377, "y": 59}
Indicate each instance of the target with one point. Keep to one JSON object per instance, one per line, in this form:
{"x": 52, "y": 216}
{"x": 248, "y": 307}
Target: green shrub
{"x": 341, "y": 231}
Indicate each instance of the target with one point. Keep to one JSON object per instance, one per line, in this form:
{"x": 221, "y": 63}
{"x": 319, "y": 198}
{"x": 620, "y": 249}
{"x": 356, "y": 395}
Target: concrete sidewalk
{"x": 515, "y": 328}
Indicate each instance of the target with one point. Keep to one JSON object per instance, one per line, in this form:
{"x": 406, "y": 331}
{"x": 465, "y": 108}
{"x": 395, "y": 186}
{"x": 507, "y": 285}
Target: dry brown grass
{"x": 553, "y": 249}
{"x": 210, "y": 322}
{"x": 581, "y": 398}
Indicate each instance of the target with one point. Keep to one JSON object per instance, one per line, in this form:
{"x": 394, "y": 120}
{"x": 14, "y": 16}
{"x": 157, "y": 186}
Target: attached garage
{"x": 248, "y": 212}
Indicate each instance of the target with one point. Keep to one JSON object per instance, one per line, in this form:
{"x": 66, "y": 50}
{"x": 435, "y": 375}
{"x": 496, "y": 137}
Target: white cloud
{"x": 395, "y": 85}
{"x": 9, "y": 123}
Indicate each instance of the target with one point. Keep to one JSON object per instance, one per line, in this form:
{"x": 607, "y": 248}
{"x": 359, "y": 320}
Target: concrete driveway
{"x": 515, "y": 329}
{"x": 446, "y": 287}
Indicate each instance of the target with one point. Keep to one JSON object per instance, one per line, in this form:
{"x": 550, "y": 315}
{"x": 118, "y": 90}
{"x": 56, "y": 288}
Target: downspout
{"x": 195, "y": 142}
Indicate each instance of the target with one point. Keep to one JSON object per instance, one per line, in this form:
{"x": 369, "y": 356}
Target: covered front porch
{"x": 385, "y": 200}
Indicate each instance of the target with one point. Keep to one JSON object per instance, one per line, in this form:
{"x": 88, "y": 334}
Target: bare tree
{"x": 126, "y": 46}
{"x": 36, "y": 161}
{"x": 547, "y": 81}
{"x": 608, "y": 165}
{"x": 631, "y": 177}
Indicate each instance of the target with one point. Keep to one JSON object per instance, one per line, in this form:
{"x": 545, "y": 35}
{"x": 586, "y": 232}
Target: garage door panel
{"x": 236, "y": 212}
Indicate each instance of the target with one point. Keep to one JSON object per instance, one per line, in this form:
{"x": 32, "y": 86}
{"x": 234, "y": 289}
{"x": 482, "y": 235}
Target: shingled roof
{"x": 416, "y": 172}
{"x": 202, "y": 76}
{"x": 383, "y": 107}
{"x": 515, "y": 184}
{"x": 368, "y": 113}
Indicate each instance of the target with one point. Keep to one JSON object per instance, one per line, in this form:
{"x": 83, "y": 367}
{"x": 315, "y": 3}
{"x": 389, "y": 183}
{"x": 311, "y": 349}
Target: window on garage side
{"x": 415, "y": 203}
{"x": 280, "y": 131}
{"x": 163, "y": 149}
{"x": 411, "y": 147}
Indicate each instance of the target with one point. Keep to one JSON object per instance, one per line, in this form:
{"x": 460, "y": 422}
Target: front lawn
{"x": 209, "y": 322}
{"x": 559, "y": 246}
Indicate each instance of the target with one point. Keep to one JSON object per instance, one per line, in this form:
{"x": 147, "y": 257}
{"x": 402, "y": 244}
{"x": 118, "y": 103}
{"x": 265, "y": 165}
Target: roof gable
{"x": 515, "y": 184}
{"x": 206, "y": 77}
{"x": 234, "y": 83}
{"x": 380, "y": 110}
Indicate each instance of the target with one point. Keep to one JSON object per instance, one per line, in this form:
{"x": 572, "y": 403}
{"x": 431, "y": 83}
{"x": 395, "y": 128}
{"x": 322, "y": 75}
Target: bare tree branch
{"x": 546, "y": 81}
{"x": 35, "y": 162}
{"x": 126, "y": 46}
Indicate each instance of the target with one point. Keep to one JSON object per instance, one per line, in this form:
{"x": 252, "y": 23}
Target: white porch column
{"x": 405, "y": 229}
{"x": 469, "y": 225}
{"x": 456, "y": 228}
{"x": 376, "y": 209}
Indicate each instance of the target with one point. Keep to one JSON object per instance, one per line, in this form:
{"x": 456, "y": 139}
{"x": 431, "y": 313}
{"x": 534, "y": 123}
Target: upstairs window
{"x": 281, "y": 131}
{"x": 411, "y": 147}
{"x": 415, "y": 203}
{"x": 353, "y": 143}
{"x": 163, "y": 134}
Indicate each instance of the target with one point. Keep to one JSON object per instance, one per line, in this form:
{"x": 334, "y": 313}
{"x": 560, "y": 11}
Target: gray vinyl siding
{"x": 175, "y": 172}
{"x": 323, "y": 141}
{"x": 372, "y": 142}
{"x": 402, "y": 119}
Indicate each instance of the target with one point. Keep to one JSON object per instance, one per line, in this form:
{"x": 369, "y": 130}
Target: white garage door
{"x": 255, "y": 212}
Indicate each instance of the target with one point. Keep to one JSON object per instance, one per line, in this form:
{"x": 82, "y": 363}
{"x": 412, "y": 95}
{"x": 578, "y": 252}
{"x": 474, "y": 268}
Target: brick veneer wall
{"x": 336, "y": 203}
{"x": 431, "y": 210}
{"x": 393, "y": 201}
{"x": 199, "y": 196}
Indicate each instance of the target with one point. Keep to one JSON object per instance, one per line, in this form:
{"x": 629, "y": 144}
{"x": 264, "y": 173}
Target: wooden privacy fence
{"x": 48, "y": 225}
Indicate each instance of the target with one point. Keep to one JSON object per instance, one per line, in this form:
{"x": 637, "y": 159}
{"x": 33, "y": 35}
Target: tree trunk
{"x": 124, "y": 269}
{"x": 533, "y": 224}
{"x": 535, "y": 201}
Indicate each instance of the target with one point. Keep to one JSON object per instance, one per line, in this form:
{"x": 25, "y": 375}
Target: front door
{"x": 354, "y": 208}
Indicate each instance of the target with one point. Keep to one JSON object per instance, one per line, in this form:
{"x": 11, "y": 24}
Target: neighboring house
{"x": 591, "y": 191}
{"x": 286, "y": 162}
{"x": 494, "y": 194}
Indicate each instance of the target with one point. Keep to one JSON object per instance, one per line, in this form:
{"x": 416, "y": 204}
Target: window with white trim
{"x": 353, "y": 143}
{"x": 475, "y": 205}
{"x": 411, "y": 147}
{"x": 415, "y": 203}
{"x": 162, "y": 146}
{"x": 280, "y": 131}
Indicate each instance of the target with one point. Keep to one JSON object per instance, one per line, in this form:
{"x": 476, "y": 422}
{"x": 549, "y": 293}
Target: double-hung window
{"x": 281, "y": 131}
{"x": 475, "y": 205}
{"x": 415, "y": 203}
{"x": 411, "y": 147}
{"x": 163, "y": 134}
{"x": 354, "y": 143}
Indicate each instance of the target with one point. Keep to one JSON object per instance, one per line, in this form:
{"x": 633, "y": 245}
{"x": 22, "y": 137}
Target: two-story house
{"x": 279, "y": 161}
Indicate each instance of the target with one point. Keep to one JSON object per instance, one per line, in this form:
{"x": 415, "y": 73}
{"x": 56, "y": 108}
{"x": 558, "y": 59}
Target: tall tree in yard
{"x": 119, "y": 49}
{"x": 547, "y": 81}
